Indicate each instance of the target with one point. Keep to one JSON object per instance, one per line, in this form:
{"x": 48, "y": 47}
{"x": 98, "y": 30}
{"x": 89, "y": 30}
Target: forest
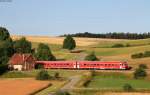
{"x": 113, "y": 35}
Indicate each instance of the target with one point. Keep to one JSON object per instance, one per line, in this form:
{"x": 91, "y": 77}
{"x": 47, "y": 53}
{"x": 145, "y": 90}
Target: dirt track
{"x": 20, "y": 86}
{"x": 70, "y": 85}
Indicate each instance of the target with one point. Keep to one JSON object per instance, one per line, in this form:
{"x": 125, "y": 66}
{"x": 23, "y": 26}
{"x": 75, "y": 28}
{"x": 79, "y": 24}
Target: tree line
{"x": 113, "y": 35}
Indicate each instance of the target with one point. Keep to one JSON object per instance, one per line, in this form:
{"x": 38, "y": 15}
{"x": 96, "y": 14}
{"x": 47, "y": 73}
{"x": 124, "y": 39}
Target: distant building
{"x": 22, "y": 62}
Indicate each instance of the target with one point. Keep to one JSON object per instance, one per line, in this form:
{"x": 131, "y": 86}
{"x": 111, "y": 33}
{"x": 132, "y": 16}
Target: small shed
{"x": 22, "y": 62}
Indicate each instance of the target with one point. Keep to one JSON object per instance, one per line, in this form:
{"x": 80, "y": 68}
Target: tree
{"x": 127, "y": 87}
{"x": 44, "y": 53}
{"x": 22, "y": 46}
{"x": 6, "y": 49}
{"x": 69, "y": 43}
{"x": 113, "y": 35}
{"x": 6, "y": 46}
{"x": 43, "y": 75}
{"x": 3, "y": 56}
{"x": 4, "y": 34}
{"x": 91, "y": 57}
{"x": 140, "y": 73}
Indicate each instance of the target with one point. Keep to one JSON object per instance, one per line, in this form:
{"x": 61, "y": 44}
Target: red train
{"x": 83, "y": 65}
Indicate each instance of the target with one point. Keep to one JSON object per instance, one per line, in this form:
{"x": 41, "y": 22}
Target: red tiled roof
{"x": 19, "y": 58}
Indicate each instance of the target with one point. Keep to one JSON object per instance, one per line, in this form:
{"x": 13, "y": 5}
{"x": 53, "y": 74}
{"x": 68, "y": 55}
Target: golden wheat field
{"x": 59, "y": 40}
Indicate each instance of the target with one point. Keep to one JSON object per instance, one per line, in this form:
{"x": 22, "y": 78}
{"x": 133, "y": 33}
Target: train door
{"x": 78, "y": 65}
{"x": 120, "y": 66}
{"x": 74, "y": 65}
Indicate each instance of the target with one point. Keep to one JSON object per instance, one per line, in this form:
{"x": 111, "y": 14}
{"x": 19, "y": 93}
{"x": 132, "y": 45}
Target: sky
{"x": 57, "y": 17}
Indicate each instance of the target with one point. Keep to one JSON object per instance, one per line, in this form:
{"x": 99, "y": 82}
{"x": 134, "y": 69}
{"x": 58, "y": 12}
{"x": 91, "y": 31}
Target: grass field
{"x": 111, "y": 83}
{"x": 117, "y": 81}
{"x": 33, "y": 73}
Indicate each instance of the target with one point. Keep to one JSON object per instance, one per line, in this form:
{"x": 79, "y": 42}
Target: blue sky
{"x": 56, "y": 17}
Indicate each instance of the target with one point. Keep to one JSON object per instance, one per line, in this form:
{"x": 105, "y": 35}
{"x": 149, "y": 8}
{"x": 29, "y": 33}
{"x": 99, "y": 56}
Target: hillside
{"x": 102, "y": 47}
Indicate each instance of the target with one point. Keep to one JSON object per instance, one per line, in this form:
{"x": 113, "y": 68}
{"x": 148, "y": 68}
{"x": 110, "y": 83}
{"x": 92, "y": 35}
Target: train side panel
{"x": 83, "y": 65}
{"x": 99, "y": 65}
{"x": 58, "y": 64}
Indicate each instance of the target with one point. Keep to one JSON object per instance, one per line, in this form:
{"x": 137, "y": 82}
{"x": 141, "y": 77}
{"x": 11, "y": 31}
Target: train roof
{"x": 82, "y": 61}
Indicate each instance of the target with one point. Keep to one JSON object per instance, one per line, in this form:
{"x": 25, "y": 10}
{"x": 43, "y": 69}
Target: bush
{"x": 147, "y": 54}
{"x": 141, "y": 55}
{"x": 127, "y": 87}
{"x": 56, "y": 76}
{"x": 3, "y": 68}
{"x": 128, "y": 45}
{"x": 117, "y": 45}
{"x": 91, "y": 57}
{"x": 43, "y": 75}
{"x": 62, "y": 93}
{"x": 137, "y": 55}
{"x": 140, "y": 73}
{"x": 143, "y": 66}
{"x": 39, "y": 66}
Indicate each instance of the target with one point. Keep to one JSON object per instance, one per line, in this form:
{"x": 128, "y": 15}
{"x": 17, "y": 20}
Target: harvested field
{"x": 59, "y": 40}
{"x": 21, "y": 86}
